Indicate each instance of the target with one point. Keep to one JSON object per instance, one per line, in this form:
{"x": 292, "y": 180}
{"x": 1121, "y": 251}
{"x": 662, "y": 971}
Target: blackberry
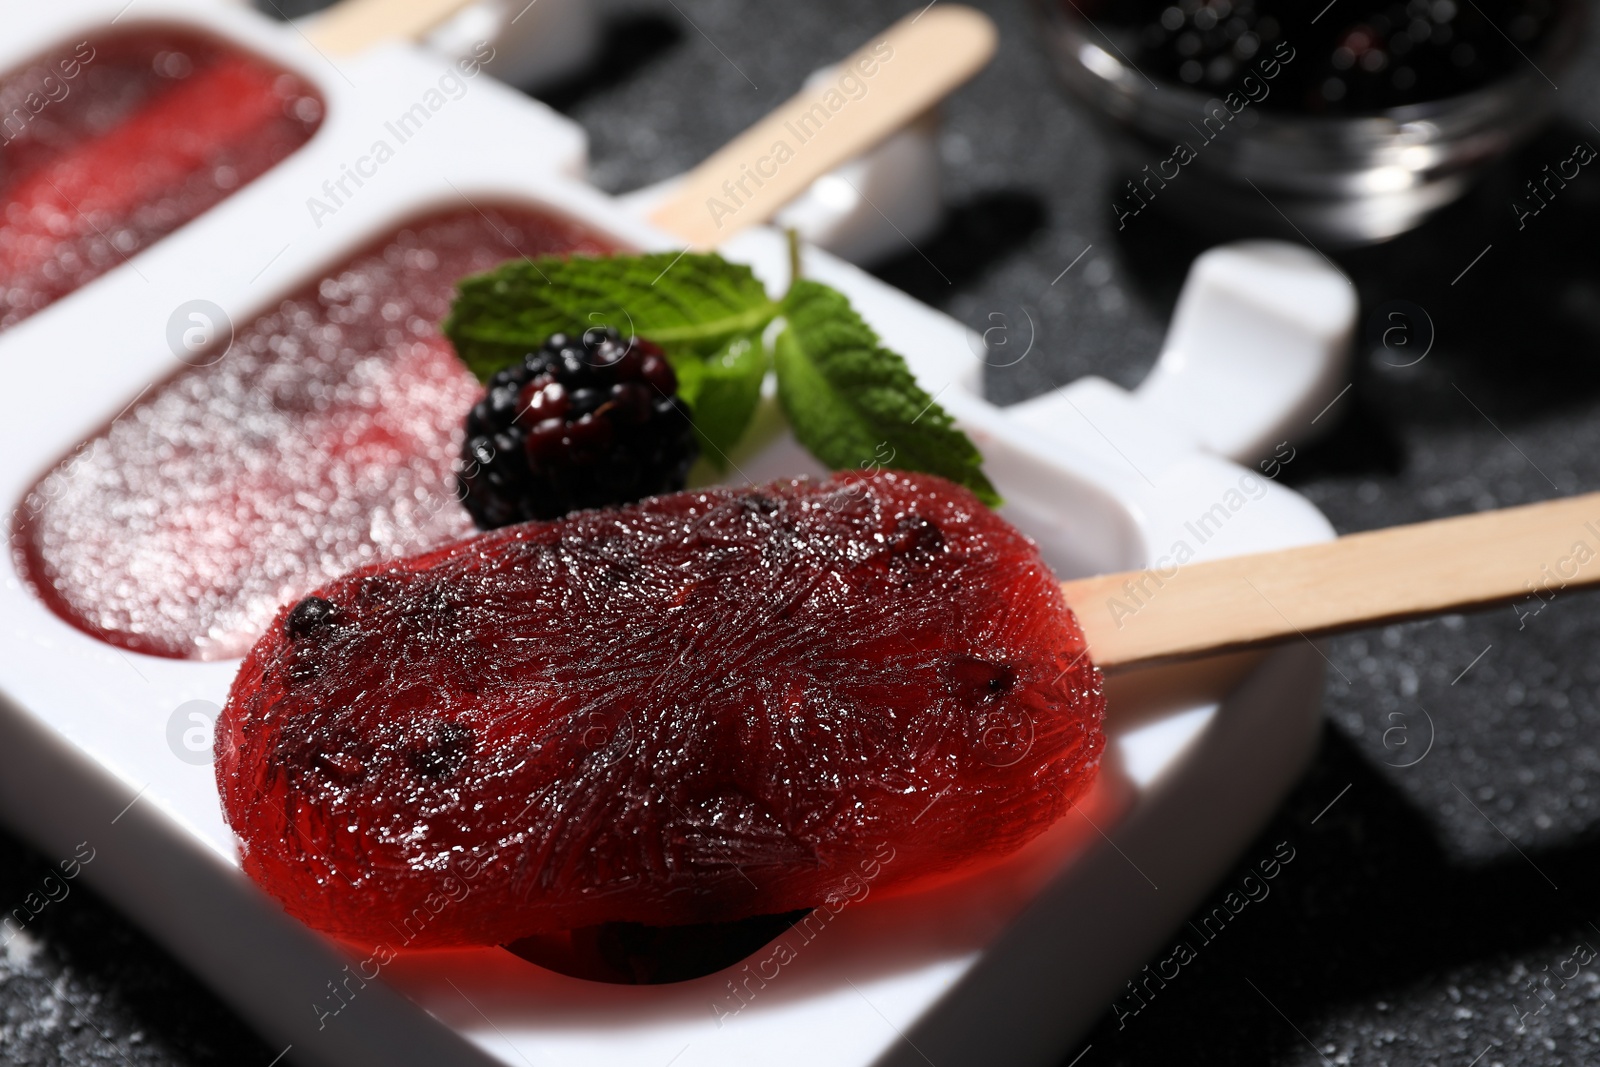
{"x": 582, "y": 422}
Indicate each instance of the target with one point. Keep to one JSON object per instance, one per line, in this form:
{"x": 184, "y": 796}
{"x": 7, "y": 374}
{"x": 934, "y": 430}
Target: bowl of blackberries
{"x": 1345, "y": 121}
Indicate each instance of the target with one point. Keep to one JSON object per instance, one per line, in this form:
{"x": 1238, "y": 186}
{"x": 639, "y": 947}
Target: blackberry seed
{"x": 308, "y": 616}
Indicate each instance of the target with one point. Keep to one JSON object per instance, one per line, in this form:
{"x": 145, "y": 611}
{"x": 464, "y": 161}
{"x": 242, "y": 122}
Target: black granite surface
{"x": 1430, "y": 893}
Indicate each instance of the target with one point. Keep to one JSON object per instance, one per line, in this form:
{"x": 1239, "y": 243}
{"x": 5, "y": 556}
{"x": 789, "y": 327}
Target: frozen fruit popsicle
{"x": 711, "y": 706}
{"x": 323, "y": 439}
{"x": 109, "y": 144}
{"x": 693, "y": 709}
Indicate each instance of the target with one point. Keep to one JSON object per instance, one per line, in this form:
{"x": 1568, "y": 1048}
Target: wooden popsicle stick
{"x": 356, "y": 25}
{"x": 877, "y": 90}
{"x": 1406, "y": 572}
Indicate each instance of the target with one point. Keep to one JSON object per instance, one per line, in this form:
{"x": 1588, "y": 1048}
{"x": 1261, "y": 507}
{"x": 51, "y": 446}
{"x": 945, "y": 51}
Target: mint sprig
{"x": 851, "y": 402}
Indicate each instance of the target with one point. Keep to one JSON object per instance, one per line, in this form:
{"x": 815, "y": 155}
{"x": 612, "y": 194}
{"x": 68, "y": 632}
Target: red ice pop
{"x": 116, "y": 142}
{"x": 693, "y": 709}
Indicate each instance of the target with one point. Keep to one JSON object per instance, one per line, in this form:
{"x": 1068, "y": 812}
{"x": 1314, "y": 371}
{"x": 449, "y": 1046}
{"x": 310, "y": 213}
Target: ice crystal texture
{"x": 323, "y": 439}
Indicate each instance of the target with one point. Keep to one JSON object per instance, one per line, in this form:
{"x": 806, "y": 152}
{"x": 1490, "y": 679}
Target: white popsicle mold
{"x": 536, "y": 43}
{"x": 1006, "y": 966}
{"x": 1259, "y": 346}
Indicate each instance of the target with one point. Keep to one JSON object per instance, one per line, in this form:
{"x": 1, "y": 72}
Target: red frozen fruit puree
{"x": 693, "y": 709}
{"x": 110, "y": 143}
{"x": 322, "y": 439}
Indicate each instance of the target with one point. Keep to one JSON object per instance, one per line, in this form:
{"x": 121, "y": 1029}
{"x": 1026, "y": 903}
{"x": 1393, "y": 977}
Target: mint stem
{"x": 794, "y": 256}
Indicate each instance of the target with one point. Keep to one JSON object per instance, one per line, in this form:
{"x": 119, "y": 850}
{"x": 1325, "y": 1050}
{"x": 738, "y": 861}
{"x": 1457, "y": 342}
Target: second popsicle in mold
{"x": 324, "y": 440}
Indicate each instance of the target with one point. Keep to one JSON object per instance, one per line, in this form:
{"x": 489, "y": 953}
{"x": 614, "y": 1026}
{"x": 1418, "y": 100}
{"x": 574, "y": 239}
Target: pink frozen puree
{"x": 325, "y": 438}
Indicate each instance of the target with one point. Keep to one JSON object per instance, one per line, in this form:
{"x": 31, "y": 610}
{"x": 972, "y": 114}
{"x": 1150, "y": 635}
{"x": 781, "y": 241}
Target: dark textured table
{"x": 1440, "y": 913}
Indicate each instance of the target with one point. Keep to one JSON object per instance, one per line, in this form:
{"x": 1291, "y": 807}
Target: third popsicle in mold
{"x": 112, "y": 141}
{"x": 323, "y": 439}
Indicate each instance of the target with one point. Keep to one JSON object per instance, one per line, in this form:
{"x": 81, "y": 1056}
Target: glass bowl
{"x": 1223, "y": 165}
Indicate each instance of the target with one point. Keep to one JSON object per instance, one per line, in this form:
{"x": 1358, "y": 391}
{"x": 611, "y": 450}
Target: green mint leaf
{"x": 693, "y": 305}
{"x": 854, "y": 404}
{"x": 723, "y": 392}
